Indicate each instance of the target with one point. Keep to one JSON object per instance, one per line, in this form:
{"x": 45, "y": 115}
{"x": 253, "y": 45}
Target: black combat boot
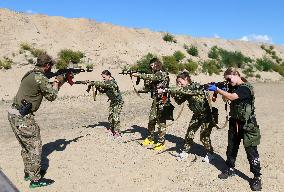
{"x": 256, "y": 184}
{"x": 227, "y": 173}
{"x": 41, "y": 183}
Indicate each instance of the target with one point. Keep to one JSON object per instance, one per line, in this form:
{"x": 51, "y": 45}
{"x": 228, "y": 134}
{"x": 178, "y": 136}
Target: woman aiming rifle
{"x": 242, "y": 125}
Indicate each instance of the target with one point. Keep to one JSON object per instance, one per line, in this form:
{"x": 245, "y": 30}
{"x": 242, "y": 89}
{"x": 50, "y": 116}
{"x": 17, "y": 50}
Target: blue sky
{"x": 249, "y": 20}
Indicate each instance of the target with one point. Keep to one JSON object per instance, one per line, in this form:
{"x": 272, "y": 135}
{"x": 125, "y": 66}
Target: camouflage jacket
{"x": 159, "y": 79}
{"x": 34, "y": 86}
{"x": 194, "y": 94}
{"x": 111, "y": 89}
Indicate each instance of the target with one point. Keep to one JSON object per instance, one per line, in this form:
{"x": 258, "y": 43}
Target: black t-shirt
{"x": 244, "y": 94}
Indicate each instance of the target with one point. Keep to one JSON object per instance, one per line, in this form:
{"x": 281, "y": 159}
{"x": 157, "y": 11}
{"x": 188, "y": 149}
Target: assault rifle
{"x": 87, "y": 82}
{"x": 67, "y": 73}
{"x": 90, "y": 86}
{"x": 130, "y": 72}
{"x": 221, "y": 85}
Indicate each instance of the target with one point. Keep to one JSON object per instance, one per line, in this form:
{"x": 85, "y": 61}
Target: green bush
{"x": 271, "y": 47}
{"x": 190, "y": 66}
{"x": 278, "y": 60}
{"x": 262, "y": 47}
{"x": 171, "y": 64}
{"x": 211, "y": 67}
{"x": 258, "y": 76}
{"x": 179, "y": 56}
{"x": 192, "y": 51}
{"x": 273, "y": 53}
{"x": 68, "y": 55}
{"x": 249, "y": 72}
{"x": 89, "y": 66}
{"x": 233, "y": 59}
{"x": 6, "y": 63}
{"x": 169, "y": 38}
{"x": 25, "y": 46}
{"x": 279, "y": 69}
{"x": 61, "y": 64}
{"x": 214, "y": 53}
{"x": 143, "y": 63}
{"x": 268, "y": 51}
{"x": 36, "y": 52}
{"x": 264, "y": 64}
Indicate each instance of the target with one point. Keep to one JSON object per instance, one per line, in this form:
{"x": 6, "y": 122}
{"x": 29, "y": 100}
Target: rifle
{"x": 221, "y": 85}
{"x": 67, "y": 73}
{"x": 130, "y": 72}
{"x": 87, "y": 82}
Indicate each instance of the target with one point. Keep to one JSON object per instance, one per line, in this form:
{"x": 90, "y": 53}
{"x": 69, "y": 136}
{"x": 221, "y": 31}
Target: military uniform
{"x": 111, "y": 89}
{"x": 202, "y": 116}
{"x": 159, "y": 79}
{"x": 34, "y": 86}
{"x": 243, "y": 125}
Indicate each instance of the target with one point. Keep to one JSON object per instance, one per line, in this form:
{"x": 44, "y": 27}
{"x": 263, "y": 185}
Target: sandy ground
{"x": 79, "y": 154}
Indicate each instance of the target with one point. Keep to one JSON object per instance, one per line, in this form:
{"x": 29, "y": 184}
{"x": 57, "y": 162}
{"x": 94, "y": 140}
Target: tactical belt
{"x": 18, "y": 107}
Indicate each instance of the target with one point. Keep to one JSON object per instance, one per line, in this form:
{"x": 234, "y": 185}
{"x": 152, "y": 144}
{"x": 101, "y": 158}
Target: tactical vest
{"x": 29, "y": 90}
{"x": 114, "y": 94}
{"x": 243, "y": 110}
{"x": 160, "y": 83}
{"x": 198, "y": 104}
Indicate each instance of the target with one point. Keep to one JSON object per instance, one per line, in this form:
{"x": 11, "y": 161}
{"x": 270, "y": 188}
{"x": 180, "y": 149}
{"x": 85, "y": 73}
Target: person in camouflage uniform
{"x": 157, "y": 80}
{"x": 242, "y": 125}
{"x": 196, "y": 97}
{"x": 34, "y": 86}
{"x": 110, "y": 87}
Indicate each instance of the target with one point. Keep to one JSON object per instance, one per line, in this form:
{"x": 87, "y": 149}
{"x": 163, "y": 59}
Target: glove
{"x": 212, "y": 87}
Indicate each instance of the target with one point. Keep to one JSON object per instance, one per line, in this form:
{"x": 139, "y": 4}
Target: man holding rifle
{"x": 34, "y": 86}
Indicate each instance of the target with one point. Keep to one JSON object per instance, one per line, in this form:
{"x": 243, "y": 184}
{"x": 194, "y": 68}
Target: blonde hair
{"x": 234, "y": 71}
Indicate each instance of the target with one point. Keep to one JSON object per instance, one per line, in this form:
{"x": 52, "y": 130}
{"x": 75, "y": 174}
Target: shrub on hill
{"x": 169, "y": 38}
{"x": 193, "y": 51}
{"x": 69, "y": 55}
{"x": 264, "y": 64}
{"x": 170, "y": 64}
{"x": 179, "y": 56}
{"x": 190, "y": 66}
{"x": 6, "y": 63}
{"x": 213, "y": 53}
{"x": 34, "y": 51}
{"x": 143, "y": 63}
{"x": 211, "y": 67}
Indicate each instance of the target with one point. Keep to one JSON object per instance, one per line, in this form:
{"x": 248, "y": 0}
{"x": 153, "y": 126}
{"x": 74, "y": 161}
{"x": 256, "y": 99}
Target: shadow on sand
{"x": 99, "y": 125}
{"x": 48, "y": 148}
{"x": 196, "y": 149}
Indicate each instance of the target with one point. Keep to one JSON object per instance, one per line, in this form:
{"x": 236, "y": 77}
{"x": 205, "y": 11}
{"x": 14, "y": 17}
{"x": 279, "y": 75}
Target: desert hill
{"x": 103, "y": 43}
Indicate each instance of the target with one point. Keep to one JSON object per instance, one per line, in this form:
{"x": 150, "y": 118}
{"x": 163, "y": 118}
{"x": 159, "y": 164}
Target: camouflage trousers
{"x": 27, "y": 133}
{"x": 206, "y": 123}
{"x": 156, "y": 118}
{"x": 114, "y": 115}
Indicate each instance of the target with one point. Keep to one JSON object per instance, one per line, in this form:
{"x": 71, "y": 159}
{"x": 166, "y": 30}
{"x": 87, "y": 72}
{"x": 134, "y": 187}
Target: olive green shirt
{"x": 111, "y": 89}
{"x": 34, "y": 86}
{"x": 194, "y": 94}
